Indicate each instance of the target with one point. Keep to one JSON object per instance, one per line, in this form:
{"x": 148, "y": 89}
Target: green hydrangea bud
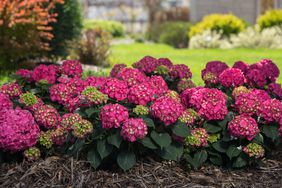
{"x": 28, "y": 99}
{"x": 93, "y": 95}
{"x": 141, "y": 110}
{"x": 254, "y": 150}
{"x": 213, "y": 138}
{"x": 163, "y": 70}
{"x": 82, "y": 128}
{"x": 188, "y": 116}
{"x": 32, "y": 154}
{"x": 173, "y": 95}
{"x": 45, "y": 139}
{"x": 192, "y": 141}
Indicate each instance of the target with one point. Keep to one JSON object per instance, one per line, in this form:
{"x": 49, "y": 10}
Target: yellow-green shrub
{"x": 270, "y": 18}
{"x": 116, "y": 29}
{"x": 226, "y": 23}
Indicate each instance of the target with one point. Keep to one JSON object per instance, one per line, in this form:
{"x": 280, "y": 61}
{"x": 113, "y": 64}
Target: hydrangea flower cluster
{"x": 254, "y": 150}
{"x": 275, "y": 89}
{"x": 11, "y": 89}
{"x": 159, "y": 85}
{"x": 243, "y": 126}
{"x": 59, "y": 136}
{"x": 32, "y": 154}
{"x": 270, "y": 110}
{"x": 162, "y": 70}
{"x": 131, "y": 76}
{"x": 115, "y": 89}
{"x": 198, "y": 138}
{"x": 244, "y": 67}
{"x": 147, "y": 64}
{"x": 133, "y": 129}
{"x": 188, "y": 117}
{"x": 239, "y": 90}
{"x": 113, "y": 115}
{"x": 26, "y": 74}
{"x": 165, "y": 62}
{"x": 45, "y": 139}
{"x": 141, "y": 110}
{"x": 209, "y": 103}
{"x": 186, "y": 95}
{"x": 44, "y": 73}
{"x": 68, "y": 120}
{"x": 95, "y": 81}
{"x": 141, "y": 94}
{"x": 82, "y": 128}
{"x": 184, "y": 84}
{"x": 166, "y": 110}
{"x": 30, "y": 101}
{"x": 61, "y": 93}
{"x": 173, "y": 95}
{"x": 212, "y": 71}
{"x": 5, "y": 102}
{"x": 18, "y": 130}
{"x": 232, "y": 77}
{"x": 256, "y": 78}
{"x": 47, "y": 116}
{"x": 92, "y": 96}
{"x": 180, "y": 71}
{"x": 116, "y": 69}
{"x": 72, "y": 68}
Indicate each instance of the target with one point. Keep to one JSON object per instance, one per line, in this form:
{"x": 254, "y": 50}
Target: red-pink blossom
{"x": 244, "y": 67}
{"x": 159, "y": 85}
{"x": 141, "y": 94}
{"x": 5, "y": 102}
{"x": 212, "y": 71}
{"x": 133, "y": 129}
{"x": 116, "y": 69}
{"x": 270, "y": 110}
{"x": 47, "y": 116}
{"x": 113, "y": 115}
{"x": 131, "y": 76}
{"x": 180, "y": 71}
{"x": 232, "y": 77}
{"x": 72, "y": 68}
{"x": 115, "y": 89}
{"x": 44, "y": 73}
{"x": 11, "y": 89}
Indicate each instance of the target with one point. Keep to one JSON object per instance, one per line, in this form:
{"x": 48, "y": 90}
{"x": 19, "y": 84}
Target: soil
{"x": 68, "y": 172}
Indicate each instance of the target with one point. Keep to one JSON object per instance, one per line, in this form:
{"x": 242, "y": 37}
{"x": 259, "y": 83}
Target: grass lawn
{"x": 195, "y": 59}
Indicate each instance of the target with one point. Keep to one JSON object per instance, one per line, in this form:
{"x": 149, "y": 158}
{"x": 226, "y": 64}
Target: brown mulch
{"x": 67, "y": 172}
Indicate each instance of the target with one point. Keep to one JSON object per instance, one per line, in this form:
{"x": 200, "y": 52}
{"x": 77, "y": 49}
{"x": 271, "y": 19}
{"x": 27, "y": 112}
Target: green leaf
{"x": 258, "y": 139}
{"x": 199, "y": 158}
{"x": 76, "y": 147}
{"x": 90, "y": 111}
{"x": 239, "y": 163}
{"x": 172, "y": 152}
{"x": 103, "y": 148}
{"x": 180, "y": 129}
{"x": 162, "y": 139}
{"x": 94, "y": 158}
{"x": 227, "y": 118}
{"x": 271, "y": 131}
{"x": 216, "y": 160}
{"x": 232, "y": 152}
{"x": 149, "y": 122}
{"x": 211, "y": 128}
{"x": 115, "y": 139}
{"x": 126, "y": 160}
{"x": 218, "y": 146}
{"x": 147, "y": 142}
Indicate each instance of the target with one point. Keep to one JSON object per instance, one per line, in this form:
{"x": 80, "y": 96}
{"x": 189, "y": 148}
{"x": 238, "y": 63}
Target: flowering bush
{"x": 152, "y": 109}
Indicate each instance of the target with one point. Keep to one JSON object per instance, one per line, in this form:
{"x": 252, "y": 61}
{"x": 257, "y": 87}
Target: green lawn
{"x": 195, "y": 59}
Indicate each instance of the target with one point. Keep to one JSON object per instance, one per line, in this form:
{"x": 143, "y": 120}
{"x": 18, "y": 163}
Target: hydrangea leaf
{"x": 103, "y": 148}
{"x": 232, "y": 152}
{"x": 126, "y": 160}
{"x": 94, "y": 158}
{"x": 147, "y": 142}
{"x": 162, "y": 139}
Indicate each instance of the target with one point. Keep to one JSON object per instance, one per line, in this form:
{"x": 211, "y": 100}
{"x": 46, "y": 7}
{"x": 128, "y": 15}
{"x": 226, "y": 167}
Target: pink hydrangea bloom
{"x": 131, "y": 76}
{"x": 141, "y": 94}
{"x": 243, "y": 126}
{"x": 115, "y": 89}
{"x": 256, "y": 78}
{"x": 185, "y": 84}
{"x": 275, "y": 89}
{"x": 254, "y": 150}
{"x": 73, "y": 104}
{"x": 72, "y": 68}
{"x": 166, "y": 62}
{"x": 97, "y": 82}
{"x": 113, "y": 115}
{"x": 188, "y": 117}
{"x": 61, "y": 93}
{"x": 47, "y": 116}
{"x": 270, "y": 110}
{"x": 214, "y": 69}
{"x": 180, "y": 71}
{"x": 5, "y": 102}
{"x": 166, "y": 110}
{"x": 30, "y": 101}
{"x": 159, "y": 85}
{"x": 44, "y": 73}
{"x": 268, "y": 68}
{"x": 232, "y": 77}
{"x": 185, "y": 96}
{"x": 69, "y": 119}
{"x": 59, "y": 136}
{"x": 198, "y": 138}
{"x": 26, "y": 74}
{"x": 116, "y": 69}
{"x": 210, "y": 103}
{"x": 11, "y": 89}
{"x": 133, "y": 129}
{"x": 147, "y": 64}
{"x": 18, "y": 130}
{"x": 244, "y": 67}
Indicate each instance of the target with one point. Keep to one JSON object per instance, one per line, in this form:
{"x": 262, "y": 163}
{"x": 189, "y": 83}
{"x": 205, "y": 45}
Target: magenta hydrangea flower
{"x": 26, "y": 74}
{"x": 198, "y": 138}
{"x": 73, "y": 104}
{"x": 255, "y": 77}
{"x": 72, "y": 68}
{"x": 82, "y": 128}
{"x": 268, "y": 68}
{"x": 47, "y": 116}
{"x": 96, "y": 81}
{"x": 188, "y": 117}
{"x": 239, "y": 90}
{"x": 133, "y": 129}
{"x": 166, "y": 62}
{"x": 243, "y": 126}
{"x": 115, "y": 89}
{"x": 249, "y": 103}
{"x": 30, "y": 101}
{"x": 116, "y": 69}
{"x": 59, "y": 136}
{"x": 92, "y": 96}
{"x": 147, "y": 64}
{"x": 270, "y": 110}
{"x": 173, "y": 95}
{"x": 232, "y": 77}
{"x": 69, "y": 119}
{"x": 5, "y": 102}
{"x": 159, "y": 85}
{"x": 141, "y": 94}
{"x": 44, "y": 73}
{"x": 180, "y": 71}
{"x": 275, "y": 89}
{"x": 212, "y": 71}
{"x": 185, "y": 96}
{"x": 244, "y": 67}
{"x": 113, "y": 115}
{"x": 166, "y": 110}
{"x": 11, "y": 89}
{"x": 61, "y": 93}
{"x": 18, "y": 130}
{"x": 185, "y": 84}
{"x": 131, "y": 76}
{"x": 209, "y": 103}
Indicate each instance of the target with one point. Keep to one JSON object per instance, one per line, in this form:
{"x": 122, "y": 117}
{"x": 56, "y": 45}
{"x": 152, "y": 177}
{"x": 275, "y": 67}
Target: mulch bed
{"x": 67, "y": 172}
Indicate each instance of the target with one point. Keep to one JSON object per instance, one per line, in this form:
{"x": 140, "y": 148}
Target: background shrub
{"x": 68, "y": 27}
{"x": 227, "y": 23}
{"x": 116, "y": 29}
{"x": 171, "y": 33}
{"x": 270, "y": 18}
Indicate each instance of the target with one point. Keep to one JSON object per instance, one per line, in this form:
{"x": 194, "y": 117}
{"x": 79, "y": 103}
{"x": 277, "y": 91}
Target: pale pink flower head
{"x": 113, "y": 115}
{"x": 134, "y": 129}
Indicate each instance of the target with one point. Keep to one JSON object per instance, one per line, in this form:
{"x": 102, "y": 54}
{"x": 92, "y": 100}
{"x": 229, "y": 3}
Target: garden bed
{"x": 60, "y": 172}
